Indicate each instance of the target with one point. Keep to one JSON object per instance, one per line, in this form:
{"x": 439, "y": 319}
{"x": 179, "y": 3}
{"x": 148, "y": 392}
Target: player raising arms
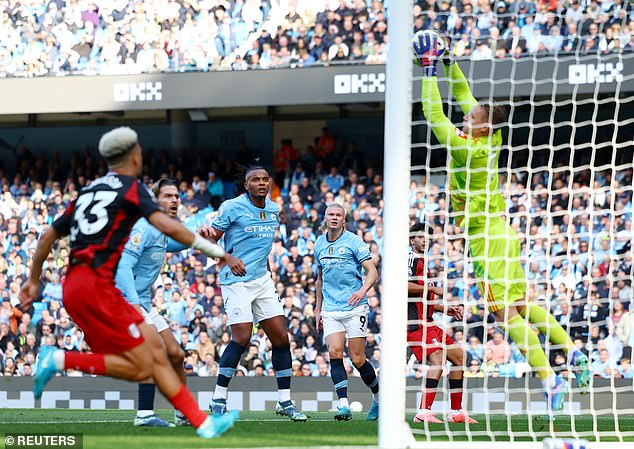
{"x": 342, "y": 307}
{"x": 427, "y": 340}
{"x": 99, "y": 223}
{"x": 140, "y": 265}
{"x": 479, "y": 205}
{"x": 248, "y": 224}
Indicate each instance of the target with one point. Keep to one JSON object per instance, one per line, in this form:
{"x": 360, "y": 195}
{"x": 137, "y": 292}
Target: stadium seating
{"x": 91, "y": 38}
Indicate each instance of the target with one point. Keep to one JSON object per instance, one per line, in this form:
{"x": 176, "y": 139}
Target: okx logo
{"x": 362, "y": 83}
{"x": 591, "y": 74}
{"x": 132, "y": 92}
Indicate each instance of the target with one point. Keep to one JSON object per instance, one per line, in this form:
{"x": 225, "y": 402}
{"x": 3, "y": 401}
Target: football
{"x": 356, "y": 407}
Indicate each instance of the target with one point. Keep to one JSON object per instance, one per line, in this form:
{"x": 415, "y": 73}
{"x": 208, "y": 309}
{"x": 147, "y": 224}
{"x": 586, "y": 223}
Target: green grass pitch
{"x": 113, "y": 429}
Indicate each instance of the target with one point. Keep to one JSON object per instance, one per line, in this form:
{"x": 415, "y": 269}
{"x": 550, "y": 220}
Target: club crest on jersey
{"x": 136, "y": 239}
{"x": 331, "y": 250}
{"x": 263, "y": 216}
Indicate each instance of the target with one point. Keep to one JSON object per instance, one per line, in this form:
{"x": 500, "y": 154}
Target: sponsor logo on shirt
{"x": 134, "y": 331}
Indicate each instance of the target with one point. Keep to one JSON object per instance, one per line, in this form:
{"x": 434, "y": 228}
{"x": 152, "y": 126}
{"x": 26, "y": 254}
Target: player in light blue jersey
{"x": 248, "y": 224}
{"x": 140, "y": 265}
{"x": 342, "y": 306}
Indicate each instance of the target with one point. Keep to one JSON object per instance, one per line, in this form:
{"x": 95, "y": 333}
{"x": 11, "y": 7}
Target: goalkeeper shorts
{"x": 495, "y": 251}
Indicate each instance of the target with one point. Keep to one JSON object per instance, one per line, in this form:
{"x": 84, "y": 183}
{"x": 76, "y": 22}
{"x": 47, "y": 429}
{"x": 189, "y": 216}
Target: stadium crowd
{"x": 128, "y": 37}
{"x": 577, "y": 253}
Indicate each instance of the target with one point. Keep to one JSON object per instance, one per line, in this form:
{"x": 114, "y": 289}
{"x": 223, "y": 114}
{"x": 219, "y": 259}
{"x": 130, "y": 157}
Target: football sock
{"x": 528, "y": 342}
{"x": 281, "y": 358}
{"x": 339, "y": 378}
{"x": 87, "y": 363}
{"x": 429, "y": 394}
{"x": 146, "y": 398}
{"x": 455, "y": 392}
{"x": 549, "y": 327}
{"x": 368, "y": 375}
{"x": 185, "y": 402}
{"x": 227, "y": 368}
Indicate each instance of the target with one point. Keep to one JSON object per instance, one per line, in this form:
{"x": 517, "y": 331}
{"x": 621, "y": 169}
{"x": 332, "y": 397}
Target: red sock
{"x": 429, "y": 393}
{"x": 87, "y": 363}
{"x": 185, "y": 402}
{"x": 456, "y": 400}
{"x": 455, "y": 388}
{"x": 428, "y": 398}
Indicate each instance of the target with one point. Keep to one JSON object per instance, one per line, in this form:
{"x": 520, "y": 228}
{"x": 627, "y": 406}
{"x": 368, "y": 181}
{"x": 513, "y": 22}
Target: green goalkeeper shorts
{"x": 495, "y": 251}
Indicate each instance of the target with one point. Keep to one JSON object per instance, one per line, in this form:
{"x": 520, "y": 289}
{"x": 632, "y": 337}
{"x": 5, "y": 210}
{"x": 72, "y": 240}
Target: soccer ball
{"x": 356, "y": 407}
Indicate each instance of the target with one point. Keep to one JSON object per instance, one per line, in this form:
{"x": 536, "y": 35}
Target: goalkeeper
{"x": 479, "y": 206}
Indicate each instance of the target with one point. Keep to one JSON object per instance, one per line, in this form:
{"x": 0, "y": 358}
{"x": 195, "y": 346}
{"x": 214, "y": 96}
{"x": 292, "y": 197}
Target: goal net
{"x": 565, "y": 177}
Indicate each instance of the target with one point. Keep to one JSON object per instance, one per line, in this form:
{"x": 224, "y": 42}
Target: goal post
{"x": 393, "y": 430}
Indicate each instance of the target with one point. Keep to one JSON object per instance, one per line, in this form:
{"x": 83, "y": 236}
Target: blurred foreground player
{"x": 427, "y": 340}
{"x": 99, "y": 222}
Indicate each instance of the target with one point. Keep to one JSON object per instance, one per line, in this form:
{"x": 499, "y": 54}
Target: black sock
{"x": 339, "y": 377}
{"x": 281, "y": 359}
{"x": 228, "y": 363}
{"x": 431, "y": 383}
{"x": 369, "y": 377}
{"x": 146, "y": 396}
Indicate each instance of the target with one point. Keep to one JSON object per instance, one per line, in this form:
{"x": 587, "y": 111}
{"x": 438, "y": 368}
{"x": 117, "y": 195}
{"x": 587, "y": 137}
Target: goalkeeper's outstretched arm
{"x": 459, "y": 86}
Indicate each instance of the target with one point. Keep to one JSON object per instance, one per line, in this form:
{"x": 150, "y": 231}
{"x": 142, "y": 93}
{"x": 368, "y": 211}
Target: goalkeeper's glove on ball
{"x": 427, "y": 51}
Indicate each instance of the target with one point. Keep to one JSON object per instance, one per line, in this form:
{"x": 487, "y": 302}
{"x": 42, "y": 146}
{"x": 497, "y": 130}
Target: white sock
{"x": 58, "y": 358}
{"x": 549, "y": 382}
{"x": 284, "y": 395}
{"x": 144, "y": 413}
{"x": 178, "y": 413}
{"x": 343, "y": 402}
{"x": 456, "y": 412}
{"x": 375, "y": 397}
{"x": 220, "y": 392}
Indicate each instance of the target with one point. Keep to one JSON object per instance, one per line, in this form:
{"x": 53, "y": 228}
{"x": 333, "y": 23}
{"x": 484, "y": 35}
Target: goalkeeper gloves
{"x": 428, "y": 50}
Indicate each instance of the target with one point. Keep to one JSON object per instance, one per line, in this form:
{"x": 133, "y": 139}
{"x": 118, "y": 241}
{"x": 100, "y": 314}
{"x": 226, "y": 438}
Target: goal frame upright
{"x": 393, "y": 430}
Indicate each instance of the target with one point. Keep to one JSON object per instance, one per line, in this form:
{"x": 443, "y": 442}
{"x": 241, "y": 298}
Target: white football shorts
{"x": 154, "y": 319}
{"x": 353, "y": 322}
{"x": 251, "y": 301}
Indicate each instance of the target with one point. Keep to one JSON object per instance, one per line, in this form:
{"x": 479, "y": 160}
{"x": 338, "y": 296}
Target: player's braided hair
{"x": 498, "y": 113}
{"x": 243, "y": 171}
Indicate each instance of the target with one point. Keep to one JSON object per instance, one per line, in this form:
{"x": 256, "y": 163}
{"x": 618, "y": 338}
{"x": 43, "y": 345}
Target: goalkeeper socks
{"x": 527, "y": 342}
{"x": 281, "y": 359}
{"x": 339, "y": 378}
{"x": 185, "y": 402}
{"x": 429, "y": 394}
{"x": 146, "y": 400}
{"x": 228, "y": 362}
{"x": 549, "y": 327}
{"x": 87, "y": 363}
{"x": 455, "y": 393}
{"x": 368, "y": 375}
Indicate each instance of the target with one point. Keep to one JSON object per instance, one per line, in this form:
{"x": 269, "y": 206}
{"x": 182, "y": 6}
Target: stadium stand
{"x": 189, "y": 296}
{"x": 104, "y": 37}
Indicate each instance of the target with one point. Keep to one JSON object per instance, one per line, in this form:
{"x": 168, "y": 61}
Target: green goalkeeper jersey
{"x": 473, "y": 168}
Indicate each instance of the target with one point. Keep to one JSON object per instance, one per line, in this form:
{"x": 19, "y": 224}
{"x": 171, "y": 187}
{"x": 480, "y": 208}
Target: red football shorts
{"x": 428, "y": 339}
{"x": 109, "y": 322}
